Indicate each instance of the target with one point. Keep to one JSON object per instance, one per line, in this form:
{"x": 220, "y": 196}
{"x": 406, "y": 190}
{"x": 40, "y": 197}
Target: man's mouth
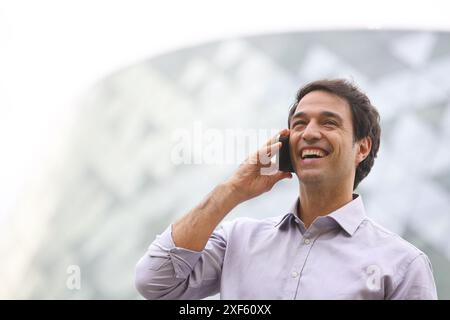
{"x": 313, "y": 153}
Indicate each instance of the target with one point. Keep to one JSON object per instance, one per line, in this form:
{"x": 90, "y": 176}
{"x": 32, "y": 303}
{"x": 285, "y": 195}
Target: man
{"x": 324, "y": 248}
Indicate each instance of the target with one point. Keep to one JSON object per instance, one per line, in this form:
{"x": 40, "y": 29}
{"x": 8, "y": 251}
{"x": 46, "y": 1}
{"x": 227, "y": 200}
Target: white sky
{"x": 52, "y": 51}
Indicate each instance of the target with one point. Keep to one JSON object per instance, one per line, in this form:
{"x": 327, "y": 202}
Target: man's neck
{"x": 318, "y": 201}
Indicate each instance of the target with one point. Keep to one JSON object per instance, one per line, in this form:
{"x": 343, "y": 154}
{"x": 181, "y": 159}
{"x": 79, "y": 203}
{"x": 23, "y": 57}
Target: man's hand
{"x": 252, "y": 178}
{"x": 193, "y": 230}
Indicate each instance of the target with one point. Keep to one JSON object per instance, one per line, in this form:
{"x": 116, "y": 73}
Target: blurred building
{"x": 116, "y": 187}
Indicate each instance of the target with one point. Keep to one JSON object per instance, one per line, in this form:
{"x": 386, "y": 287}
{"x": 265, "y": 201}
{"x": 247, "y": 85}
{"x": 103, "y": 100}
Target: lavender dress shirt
{"x": 344, "y": 255}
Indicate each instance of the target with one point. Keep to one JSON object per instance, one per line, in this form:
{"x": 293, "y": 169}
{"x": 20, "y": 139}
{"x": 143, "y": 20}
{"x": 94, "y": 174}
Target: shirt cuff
{"x": 183, "y": 260}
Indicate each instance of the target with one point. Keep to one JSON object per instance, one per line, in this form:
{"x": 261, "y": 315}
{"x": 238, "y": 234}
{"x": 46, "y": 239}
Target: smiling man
{"x": 325, "y": 247}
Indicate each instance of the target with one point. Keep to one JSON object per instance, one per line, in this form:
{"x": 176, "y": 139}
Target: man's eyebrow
{"x": 325, "y": 114}
{"x": 299, "y": 115}
{"x": 329, "y": 114}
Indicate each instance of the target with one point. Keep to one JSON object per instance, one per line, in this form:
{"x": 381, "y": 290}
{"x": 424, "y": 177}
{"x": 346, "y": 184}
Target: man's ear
{"x": 363, "y": 148}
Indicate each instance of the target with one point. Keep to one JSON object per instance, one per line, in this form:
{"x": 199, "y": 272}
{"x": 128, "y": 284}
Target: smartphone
{"x": 284, "y": 155}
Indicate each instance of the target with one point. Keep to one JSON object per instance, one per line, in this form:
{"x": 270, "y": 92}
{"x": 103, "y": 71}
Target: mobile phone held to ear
{"x": 284, "y": 155}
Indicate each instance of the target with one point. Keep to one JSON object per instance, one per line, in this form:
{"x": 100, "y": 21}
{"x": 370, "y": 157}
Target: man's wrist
{"x": 230, "y": 196}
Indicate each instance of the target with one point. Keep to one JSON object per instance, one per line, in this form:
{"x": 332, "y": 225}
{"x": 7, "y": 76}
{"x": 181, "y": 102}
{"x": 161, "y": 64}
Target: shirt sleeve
{"x": 170, "y": 272}
{"x": 417, "y": 283}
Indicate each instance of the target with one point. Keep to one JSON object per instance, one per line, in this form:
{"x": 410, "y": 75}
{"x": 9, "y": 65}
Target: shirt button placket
{"x": 300, "y": 262}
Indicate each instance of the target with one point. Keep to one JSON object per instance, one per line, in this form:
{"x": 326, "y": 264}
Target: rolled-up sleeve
{"x": 417, "y": 282}
{"x": 170, "y": 272}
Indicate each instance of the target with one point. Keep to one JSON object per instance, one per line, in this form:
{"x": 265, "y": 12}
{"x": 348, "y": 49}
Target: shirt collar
{"x": 348, "y": 217}
{"x": 292, "y": 214}
{"x": 351, "y": 215}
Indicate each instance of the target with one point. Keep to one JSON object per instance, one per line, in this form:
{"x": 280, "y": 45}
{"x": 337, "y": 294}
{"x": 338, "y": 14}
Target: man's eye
{"x": 330, "y": 123}
{"x": 299, "y": 123}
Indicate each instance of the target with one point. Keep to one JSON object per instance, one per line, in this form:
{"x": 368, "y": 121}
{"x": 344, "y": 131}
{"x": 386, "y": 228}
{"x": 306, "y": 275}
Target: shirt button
{"x": 294, "y": 274}
{"x": 307, "y": 241}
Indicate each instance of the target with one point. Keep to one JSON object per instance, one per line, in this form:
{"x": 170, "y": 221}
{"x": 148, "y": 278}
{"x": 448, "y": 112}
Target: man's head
{"x": 333, "y": 120}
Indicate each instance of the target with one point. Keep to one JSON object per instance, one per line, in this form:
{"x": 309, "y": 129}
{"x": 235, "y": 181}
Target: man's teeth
{"x": 313, "y": 152}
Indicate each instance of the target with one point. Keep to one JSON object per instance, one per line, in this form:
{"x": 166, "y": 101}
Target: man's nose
{"x": 311, "y": 132}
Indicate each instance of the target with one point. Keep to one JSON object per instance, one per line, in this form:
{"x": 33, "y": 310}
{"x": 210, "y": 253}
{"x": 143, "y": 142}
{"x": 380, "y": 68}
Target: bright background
{"x": 80, "y": 186}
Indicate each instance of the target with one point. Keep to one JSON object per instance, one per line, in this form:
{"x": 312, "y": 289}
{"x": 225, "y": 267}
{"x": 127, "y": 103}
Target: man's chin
{"x": 311, "y": 177}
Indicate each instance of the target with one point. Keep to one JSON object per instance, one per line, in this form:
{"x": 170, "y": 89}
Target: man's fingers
{"x": 273, "y": 149}
{"x": 273, "y": 145}
{"x": 274, "y": 139}
{"x": 267, "y": 152}
{"x": 282, "y": 175}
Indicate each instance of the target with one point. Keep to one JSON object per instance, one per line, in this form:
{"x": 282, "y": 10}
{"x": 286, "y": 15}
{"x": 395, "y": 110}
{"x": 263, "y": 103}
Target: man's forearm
{"x": 193, "y": 230}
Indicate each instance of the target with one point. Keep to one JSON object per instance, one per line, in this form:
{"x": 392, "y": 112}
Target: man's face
{"x": 321, "y": 140}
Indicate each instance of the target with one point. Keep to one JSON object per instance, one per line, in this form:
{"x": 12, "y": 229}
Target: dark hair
{"x": 365, "y": 117}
